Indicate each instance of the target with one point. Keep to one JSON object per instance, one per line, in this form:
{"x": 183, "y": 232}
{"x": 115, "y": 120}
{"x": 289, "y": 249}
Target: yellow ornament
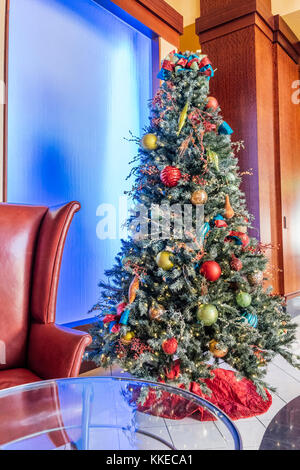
{"x": 163, "y": 260}
{"x": 126, "y": 339}
{"x": 199, "y": 197}
{"x": 215, "y": 351}
{"x": 133, "y": 288}
{"x": 182, "y": 118}
{"x": 229, "y": 212}
{"x": 213, "y": 158}
{"x": 149, "y": 142}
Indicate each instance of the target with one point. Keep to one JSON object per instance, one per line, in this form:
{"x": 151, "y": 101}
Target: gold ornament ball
{"x": 241, "y": 228}
{"x": 149, "y": 142}
{"x": 126, "y": 339}
{"x": 199, "y": 197}
{"x": 156, "y": 312}
{"x": 256, "y": 278}
{"x": 215, "y": 351}
{"x": 163, "y": 260}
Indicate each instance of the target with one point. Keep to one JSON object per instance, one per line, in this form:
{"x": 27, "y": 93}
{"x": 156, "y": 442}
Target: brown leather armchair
{"x": 32, "y": 239}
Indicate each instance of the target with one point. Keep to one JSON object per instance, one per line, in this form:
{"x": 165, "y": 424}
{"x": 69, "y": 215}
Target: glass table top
{"x": 110, "y": 413}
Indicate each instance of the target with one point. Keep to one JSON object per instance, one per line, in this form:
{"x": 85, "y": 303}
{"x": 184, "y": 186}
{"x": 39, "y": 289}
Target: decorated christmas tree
{"x": 178, "y": 300}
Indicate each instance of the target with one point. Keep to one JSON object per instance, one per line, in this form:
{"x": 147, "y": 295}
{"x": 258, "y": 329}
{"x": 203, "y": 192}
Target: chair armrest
{"x": 56, "y": 352}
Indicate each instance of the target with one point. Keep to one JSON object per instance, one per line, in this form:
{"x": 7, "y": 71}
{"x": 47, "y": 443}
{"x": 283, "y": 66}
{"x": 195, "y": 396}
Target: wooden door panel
{"x": 289, "y": 125}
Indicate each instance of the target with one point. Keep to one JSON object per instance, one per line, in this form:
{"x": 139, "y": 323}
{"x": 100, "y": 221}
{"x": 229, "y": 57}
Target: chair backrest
{"x": 19, "y": 228}
{"x": 31, "y": 246}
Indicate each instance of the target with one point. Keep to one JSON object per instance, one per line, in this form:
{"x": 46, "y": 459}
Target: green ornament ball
{"x": 207, "y": 314}
{"x": 243, "y": 299}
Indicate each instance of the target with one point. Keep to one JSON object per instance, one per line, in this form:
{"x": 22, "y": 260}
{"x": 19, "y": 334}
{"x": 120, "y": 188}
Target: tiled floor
{"x": 191, "y": 434}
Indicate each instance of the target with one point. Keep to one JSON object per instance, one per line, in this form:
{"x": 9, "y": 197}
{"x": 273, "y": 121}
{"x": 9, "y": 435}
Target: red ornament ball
{"x": 239, "y": 238}
{"x": 212, "y": 103}
{"x": 236, "y": 264}
{"x": 170, "y": 346}
{"x": 245, "y": 239}
{"x": 211, "y": 270}
{"x": 170, "y": 176}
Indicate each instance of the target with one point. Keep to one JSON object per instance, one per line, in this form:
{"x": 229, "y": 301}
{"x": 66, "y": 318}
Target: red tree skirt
{"x": 238, "y": 399}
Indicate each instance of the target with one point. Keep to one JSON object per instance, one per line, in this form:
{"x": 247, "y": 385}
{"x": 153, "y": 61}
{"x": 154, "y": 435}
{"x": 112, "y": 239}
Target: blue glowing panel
{"x": 79, "y": 80}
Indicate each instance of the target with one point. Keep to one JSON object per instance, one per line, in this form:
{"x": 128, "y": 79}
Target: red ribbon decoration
{"x": 115, "y": 318}
{"x": 110, "y": 317}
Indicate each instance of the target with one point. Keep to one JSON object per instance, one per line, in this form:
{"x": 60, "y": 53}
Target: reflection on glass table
{"x": 108, "y": 413}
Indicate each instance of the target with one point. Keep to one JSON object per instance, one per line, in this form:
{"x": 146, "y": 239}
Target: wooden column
{"x": 257, "y": 60}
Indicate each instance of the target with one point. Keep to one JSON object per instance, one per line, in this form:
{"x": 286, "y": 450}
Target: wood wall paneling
{"x": 231, "y": 11}
{"x": 289, "y": 148}
{"x": 256, "y": 55}
{"x": 284, "y": 36}
{"x": 268, "y": 162}
{"x": 212, "y": 6}
{"x": 233, "y": 87}
{"x": 167, "y": 24}
{"x": 164, "y": 11}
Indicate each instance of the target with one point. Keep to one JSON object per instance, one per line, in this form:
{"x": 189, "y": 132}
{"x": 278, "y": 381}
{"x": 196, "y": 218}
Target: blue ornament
{"x": 236, "y": 239}
{"x": 249, "y": 318}
{"x": 112, "y": 323}
{"x": 225, "y": 129}
{"x": 164, "y": 74}
{"x": 204, "y": 231}
{"x": 208, "y": 67}
{"x": 180, "y": 56}
{"x": 219, "y": 221}
{"x": 125, "y": 316}
{"x": 218, "y": 217}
